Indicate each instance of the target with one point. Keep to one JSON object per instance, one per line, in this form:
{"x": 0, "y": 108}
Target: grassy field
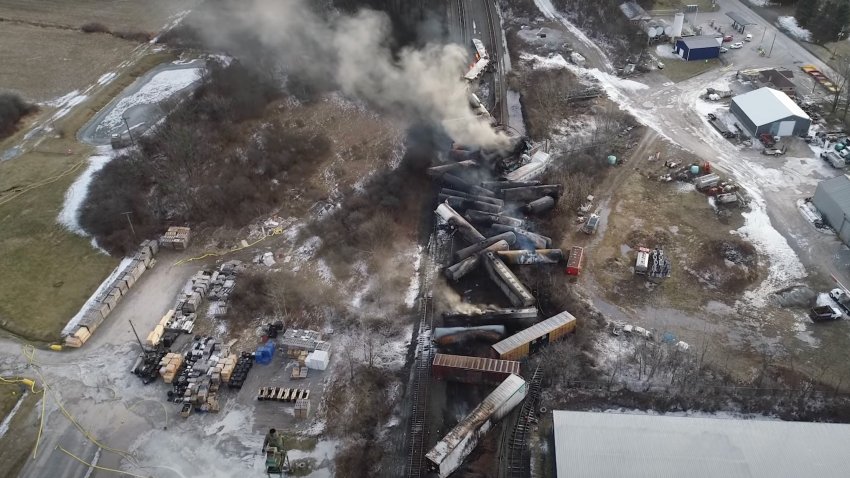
{"x": 46, "y": 273}
{"x": 16, "y": 445}
{"x": 678, "y": 70}
{"x": 44, "y": 63}
{"x": 149, "y": 15}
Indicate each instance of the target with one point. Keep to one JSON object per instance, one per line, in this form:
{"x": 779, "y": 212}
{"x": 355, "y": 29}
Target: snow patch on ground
{"x": 413, "y": 289}
{"x": 160, "y": 87}
{"x": 106, "y": 78}
{"x": 69, "y": 216}
{"x": 548, "y": 10}
{"x": 66, "y": 104}
{"x": 789, "y": 24}
{"x": 785, "y": 267}
{"x": 123, "y": 266}
{"x": 392, "y": 354}
{"x": 555, "y": 61}
{"x": 4, "y": 426}
{"x": 666, "y": 51}
{"x": 303, "y": 253}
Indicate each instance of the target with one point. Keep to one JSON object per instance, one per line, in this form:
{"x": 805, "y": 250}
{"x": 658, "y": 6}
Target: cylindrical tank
{"x": 652, "y": 32}
{"x": 695, "y": 169}
{"x": 678, "y": 22}
{"x": 668, "y": 30}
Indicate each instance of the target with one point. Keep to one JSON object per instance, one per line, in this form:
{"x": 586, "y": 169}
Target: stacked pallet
{"x": 228, "y": 365}
{"x": 169, "y": 366}
{"x": 299, "y": 372}
{"x": 280, "y": 394}
{"x": 176, "y": 238}
{"x": 302, "y": 408}
{"x": 80, "y": 336}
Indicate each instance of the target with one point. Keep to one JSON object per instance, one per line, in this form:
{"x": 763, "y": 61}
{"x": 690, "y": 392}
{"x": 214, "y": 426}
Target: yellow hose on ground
{"x": 92, "y": 465}
{"x": 43, "y": 182}
{"x": 274, "y": 232}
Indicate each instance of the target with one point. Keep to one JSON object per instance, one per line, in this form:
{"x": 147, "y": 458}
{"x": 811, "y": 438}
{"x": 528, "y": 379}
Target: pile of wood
{"x": 302, "y": 408}
{"x": 169, "y": 366}
{"x": 176, "y": 238}
{"x": 108, "y": 300}
{"x": 226, "y": 365}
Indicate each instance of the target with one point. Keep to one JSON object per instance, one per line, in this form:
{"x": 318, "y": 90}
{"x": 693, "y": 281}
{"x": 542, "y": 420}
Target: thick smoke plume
{"x": 353, "y": 54}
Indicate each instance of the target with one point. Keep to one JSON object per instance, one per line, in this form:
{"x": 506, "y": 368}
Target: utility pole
{"x": 129, "y": 132}
{"x": 133, "y": 230}
{"x": 771, "y": 45}
{"x": 137, "y": 335}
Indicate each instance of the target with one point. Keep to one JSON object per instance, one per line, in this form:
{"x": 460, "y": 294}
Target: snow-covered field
{"x": 789, "y": 24}
{"x": 549, "y": 11}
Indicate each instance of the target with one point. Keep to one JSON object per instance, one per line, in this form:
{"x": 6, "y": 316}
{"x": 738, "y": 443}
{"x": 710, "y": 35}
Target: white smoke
{"x": 354, "y": 53}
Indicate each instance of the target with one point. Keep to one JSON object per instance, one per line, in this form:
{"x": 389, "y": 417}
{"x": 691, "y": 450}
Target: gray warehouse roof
{"x": 653, "y": 446}
{"x": 766, "y": 105}
{"x": 838, "y": 188}
{"x": 704, "y": 41}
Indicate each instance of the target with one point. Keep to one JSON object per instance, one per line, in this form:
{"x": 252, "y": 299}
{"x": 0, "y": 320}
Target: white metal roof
{"x": 766, "y": 105}
{"x": 591, "y": 444}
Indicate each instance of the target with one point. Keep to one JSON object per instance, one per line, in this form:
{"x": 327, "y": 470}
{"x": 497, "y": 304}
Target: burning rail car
{"x": 448, "y": 454}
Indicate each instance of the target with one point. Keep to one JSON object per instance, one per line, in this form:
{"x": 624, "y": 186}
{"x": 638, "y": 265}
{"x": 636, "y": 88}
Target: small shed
{"x": 766, "y": 110}
{"x": 832, "y": 198}
{"x": 702, "y": 47}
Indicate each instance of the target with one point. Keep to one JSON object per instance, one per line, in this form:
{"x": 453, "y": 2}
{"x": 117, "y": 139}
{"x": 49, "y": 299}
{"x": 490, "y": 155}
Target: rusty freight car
{"x": 459, "y": 368}
{"x": 528, "y": 341}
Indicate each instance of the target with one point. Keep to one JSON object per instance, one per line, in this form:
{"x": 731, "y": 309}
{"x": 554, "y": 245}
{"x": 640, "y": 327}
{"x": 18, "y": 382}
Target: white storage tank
{"x": 678, "y": 23}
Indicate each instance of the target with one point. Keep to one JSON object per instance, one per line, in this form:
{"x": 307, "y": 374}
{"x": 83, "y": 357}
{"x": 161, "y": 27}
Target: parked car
{"x": 749, "y": 37}
{"x": 736, "y": 45}
{"x": 591, "y": 224}
{"x": 727, "y": 38}
{"x": 723, "y": 49}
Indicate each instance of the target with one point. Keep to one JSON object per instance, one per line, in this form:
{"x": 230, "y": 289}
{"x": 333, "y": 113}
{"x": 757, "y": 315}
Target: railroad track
{"x": 495, "y": 26}
{"x": 519, "y": 459}
{"x": 419, "y": 425}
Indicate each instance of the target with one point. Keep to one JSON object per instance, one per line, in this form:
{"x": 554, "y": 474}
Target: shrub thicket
{"x": 12, "y": 109}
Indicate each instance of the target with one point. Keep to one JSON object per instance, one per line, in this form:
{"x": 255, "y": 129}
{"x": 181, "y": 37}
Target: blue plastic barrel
{"x": 695, "y": 169}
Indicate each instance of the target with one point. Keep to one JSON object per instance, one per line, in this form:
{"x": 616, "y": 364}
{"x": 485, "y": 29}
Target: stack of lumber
{"x": 169, "y": 365}
{"x": 79, "y": 337}
{"x": 176, "y": 238}
{"x": 227, "y": 365}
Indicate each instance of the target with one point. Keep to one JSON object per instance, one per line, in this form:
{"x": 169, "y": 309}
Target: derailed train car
{"x": 448, "y": 454}
{"x": 528, "y": 341}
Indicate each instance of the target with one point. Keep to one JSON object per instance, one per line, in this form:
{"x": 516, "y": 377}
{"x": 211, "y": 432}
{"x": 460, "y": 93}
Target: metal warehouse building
{"x": 698, "y": 48}
{"x": 832, "y": 198}
{"x": 766, "y": 110}
{"x": 591, "y": 444}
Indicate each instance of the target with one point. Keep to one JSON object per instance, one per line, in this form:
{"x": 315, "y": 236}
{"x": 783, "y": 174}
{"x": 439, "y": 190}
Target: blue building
{"x": 698, "y": 48}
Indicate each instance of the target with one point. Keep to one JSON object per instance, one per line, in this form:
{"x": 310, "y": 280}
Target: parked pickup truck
{"x": 834, "y": 159}
{"x": 824, "y": 313}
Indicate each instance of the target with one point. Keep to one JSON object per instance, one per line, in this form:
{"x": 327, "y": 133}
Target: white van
{"x": 642, "y": 261}
{"x": 749, "y": 37}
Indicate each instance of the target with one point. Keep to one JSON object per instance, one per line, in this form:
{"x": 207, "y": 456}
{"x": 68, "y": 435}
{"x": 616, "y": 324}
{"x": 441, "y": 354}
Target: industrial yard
{"x": 445, "y": 249}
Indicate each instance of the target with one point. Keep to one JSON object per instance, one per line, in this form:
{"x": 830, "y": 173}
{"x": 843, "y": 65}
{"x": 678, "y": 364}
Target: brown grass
{"x": 149, "y": 15}
{"x": 46, "y": 273}
{"x": 45, "y": 63}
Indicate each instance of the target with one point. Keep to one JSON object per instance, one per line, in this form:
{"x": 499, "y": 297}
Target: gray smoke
{"x": 353, "y": 53}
